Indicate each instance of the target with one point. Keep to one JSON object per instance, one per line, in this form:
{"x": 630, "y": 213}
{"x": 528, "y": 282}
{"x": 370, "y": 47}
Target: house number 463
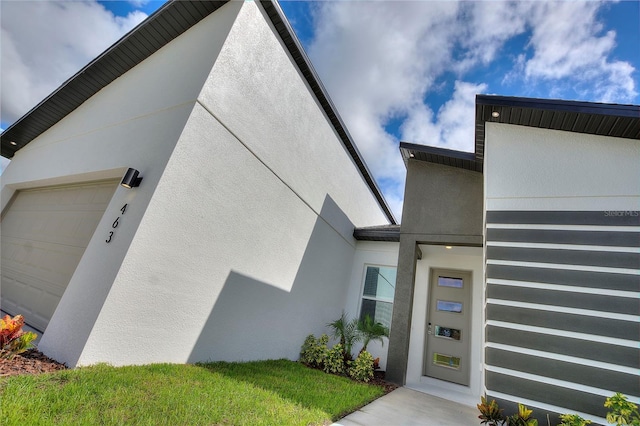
{"x": 115, "y": 223}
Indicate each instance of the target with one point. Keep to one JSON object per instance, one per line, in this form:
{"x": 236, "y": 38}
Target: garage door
{"x": 44, "y": 234}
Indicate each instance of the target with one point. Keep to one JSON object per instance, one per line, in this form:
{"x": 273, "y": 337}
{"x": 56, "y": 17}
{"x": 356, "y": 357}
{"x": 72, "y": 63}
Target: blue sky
{"x": 396, "y": 70}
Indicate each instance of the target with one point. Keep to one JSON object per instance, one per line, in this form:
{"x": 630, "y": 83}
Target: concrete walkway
{"x": 406, "y": 407}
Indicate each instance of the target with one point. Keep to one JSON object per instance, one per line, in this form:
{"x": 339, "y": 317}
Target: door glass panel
{"x": 449, "y": 306}
{"x": 449, "y": 333}
{"x": 446, "y": 361}
{"x": 450, "y": 282}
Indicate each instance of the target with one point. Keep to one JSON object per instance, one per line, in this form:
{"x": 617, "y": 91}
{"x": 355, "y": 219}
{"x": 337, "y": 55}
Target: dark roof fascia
{"x": 287, "y": 34}
{"x": 447, "y": 157}
{"x": 584, "y": 107}
{"x": 378, "y": 233}
{"x": 79, "y": 88}
{"x": 131, "y": 49}
{"x": 611, "y": 120}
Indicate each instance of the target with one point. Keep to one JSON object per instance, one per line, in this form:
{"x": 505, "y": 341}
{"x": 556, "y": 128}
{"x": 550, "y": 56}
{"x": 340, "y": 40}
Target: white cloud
{"x": 44, "y": 43}
{"x": 569, "y": 44}
{"x": 454, "y": 125}
{"x": 380, "y": 60}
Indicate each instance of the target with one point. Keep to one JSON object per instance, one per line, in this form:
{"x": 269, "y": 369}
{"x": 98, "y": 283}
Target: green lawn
{"x": 255, "y": 393}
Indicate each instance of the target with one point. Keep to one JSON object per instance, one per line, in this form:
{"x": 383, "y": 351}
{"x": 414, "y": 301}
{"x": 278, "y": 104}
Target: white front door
{"x": 447, "y": 351}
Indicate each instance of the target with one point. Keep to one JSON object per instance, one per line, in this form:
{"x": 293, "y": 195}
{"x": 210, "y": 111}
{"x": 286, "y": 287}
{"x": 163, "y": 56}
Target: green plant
{"x": 621, "y": 411}
{"x": 334, "y": 361}
{"x": 362, "y": 368}
{"x": 490, "y": 412}
{"x": 371, "y": 330}
{"x": 314, "y": 351}
{"x": 13, "y": 340}
{"x": 522, "y": 417}
{"x": 347, "y": 333}
{"x": 573, "y": 420}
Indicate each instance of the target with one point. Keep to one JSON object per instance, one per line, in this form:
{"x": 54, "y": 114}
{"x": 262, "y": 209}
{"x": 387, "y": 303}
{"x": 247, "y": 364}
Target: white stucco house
{"x": 515, "y": 271}
{"x": 237, "y": 243}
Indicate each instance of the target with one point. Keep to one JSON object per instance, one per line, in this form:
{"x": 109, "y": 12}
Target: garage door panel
{"x": 44, "y": 235}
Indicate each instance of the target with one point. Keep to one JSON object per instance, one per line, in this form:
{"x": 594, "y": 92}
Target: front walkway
{"x": 406, "y": 407}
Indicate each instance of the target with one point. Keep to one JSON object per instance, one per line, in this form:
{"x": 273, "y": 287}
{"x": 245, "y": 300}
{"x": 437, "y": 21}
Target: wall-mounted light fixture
{"x": 131, "y": 179}
{"x": 495, "y": 114}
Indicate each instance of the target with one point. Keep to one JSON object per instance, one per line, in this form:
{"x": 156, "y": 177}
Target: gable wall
{"x": 133, "y": 122}
{"x": 562, "y": 269}
{"x": 247, "y": 245}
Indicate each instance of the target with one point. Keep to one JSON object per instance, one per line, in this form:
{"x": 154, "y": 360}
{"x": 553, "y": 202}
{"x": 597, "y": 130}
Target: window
{"x": 377, "y": 297}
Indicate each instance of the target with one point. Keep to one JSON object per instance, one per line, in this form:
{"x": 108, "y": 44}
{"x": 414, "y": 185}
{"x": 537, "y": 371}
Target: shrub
{"x": 334, "y": 361}
{"x": 573, "y": 420}
{"x": 522, "y": 417}
{"x": 362, "y": 368}
{"x": 314, "y": 351}
{"x": 490, "y": 413}
{"x": 621, "y": 411}
{"x": 13, "y": 340}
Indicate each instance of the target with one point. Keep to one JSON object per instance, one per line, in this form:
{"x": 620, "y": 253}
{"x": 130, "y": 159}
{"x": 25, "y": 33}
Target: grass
{"x": 255, "y": 393}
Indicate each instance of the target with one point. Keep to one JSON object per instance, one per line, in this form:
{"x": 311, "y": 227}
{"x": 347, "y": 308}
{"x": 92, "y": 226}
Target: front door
{"x": 448, "y": 339}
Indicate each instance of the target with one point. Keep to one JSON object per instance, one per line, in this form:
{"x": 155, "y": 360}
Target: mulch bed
{"x": 378, "y": 379}
{"x": 29, "y": 362}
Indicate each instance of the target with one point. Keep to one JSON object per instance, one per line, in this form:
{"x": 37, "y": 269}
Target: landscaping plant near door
{"x": 622, "y": 412}
{"x": 14, "y": 340}
{"x": 339, "y": 359}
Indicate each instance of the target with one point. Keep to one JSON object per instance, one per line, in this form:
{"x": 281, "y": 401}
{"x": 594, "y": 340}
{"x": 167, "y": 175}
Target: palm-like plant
{"x": 347, "y": 332}
{"x": 371, "y": 330}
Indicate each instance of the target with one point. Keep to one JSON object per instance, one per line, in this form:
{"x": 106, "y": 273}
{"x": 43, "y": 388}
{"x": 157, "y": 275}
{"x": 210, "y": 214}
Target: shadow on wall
{"x": 252, "y": 319}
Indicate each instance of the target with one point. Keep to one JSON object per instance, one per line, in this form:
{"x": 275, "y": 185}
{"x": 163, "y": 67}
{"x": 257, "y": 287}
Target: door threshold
{"x": 446, "y": 390}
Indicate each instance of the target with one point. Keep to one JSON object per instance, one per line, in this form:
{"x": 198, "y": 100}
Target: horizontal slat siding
{"x": 567, "y": 371}
{"x": 585, "y": 218}
{"x": 595, "y": 302}
{"x": 569, "y": 322}
{"x": 593, "y": 238}
{"x": 603, "y": 259}
{"x": 597, "y": 351}
{"x": 601, "y": 280}
{"x": 573, "y": 400}
{"x": 576, "y": 326}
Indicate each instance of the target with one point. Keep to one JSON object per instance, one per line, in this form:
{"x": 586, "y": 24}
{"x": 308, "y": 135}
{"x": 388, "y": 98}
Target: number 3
{"x": 110, "y": 235}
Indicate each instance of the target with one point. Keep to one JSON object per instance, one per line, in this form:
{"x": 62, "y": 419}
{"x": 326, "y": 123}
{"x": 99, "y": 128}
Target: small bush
{"x": 314, "y": 351}
{"x": 490, "y": 412}
{"x": 334, "y": 361}
{"x": 522, "y": 417}
{"x": 362, "y": 368}
{"x": 621, "y": 411}
{"x": 13, "y": 340}
{"x": 573, "y": 420}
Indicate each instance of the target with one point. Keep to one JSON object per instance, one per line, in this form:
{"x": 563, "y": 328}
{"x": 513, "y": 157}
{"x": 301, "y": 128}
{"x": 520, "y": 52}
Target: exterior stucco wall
{"x": 442, "y": 205}
{"x": 262, "y": 99}
{"x": 133, "y": 122}
{"x": 239, "y": 241}
{"x": 537, "y": 169}
{"x": 456, "y": 258}
{"x": 562, "y": 269}
{"x": 369, "y": 253}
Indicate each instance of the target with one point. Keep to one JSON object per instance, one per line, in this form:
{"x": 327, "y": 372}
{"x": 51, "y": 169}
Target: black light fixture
{"x": 131, "y": 179}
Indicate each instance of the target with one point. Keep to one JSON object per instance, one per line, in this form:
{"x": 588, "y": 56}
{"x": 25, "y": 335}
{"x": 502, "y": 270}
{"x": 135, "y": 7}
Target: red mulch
{"x": 29, "y": 362}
